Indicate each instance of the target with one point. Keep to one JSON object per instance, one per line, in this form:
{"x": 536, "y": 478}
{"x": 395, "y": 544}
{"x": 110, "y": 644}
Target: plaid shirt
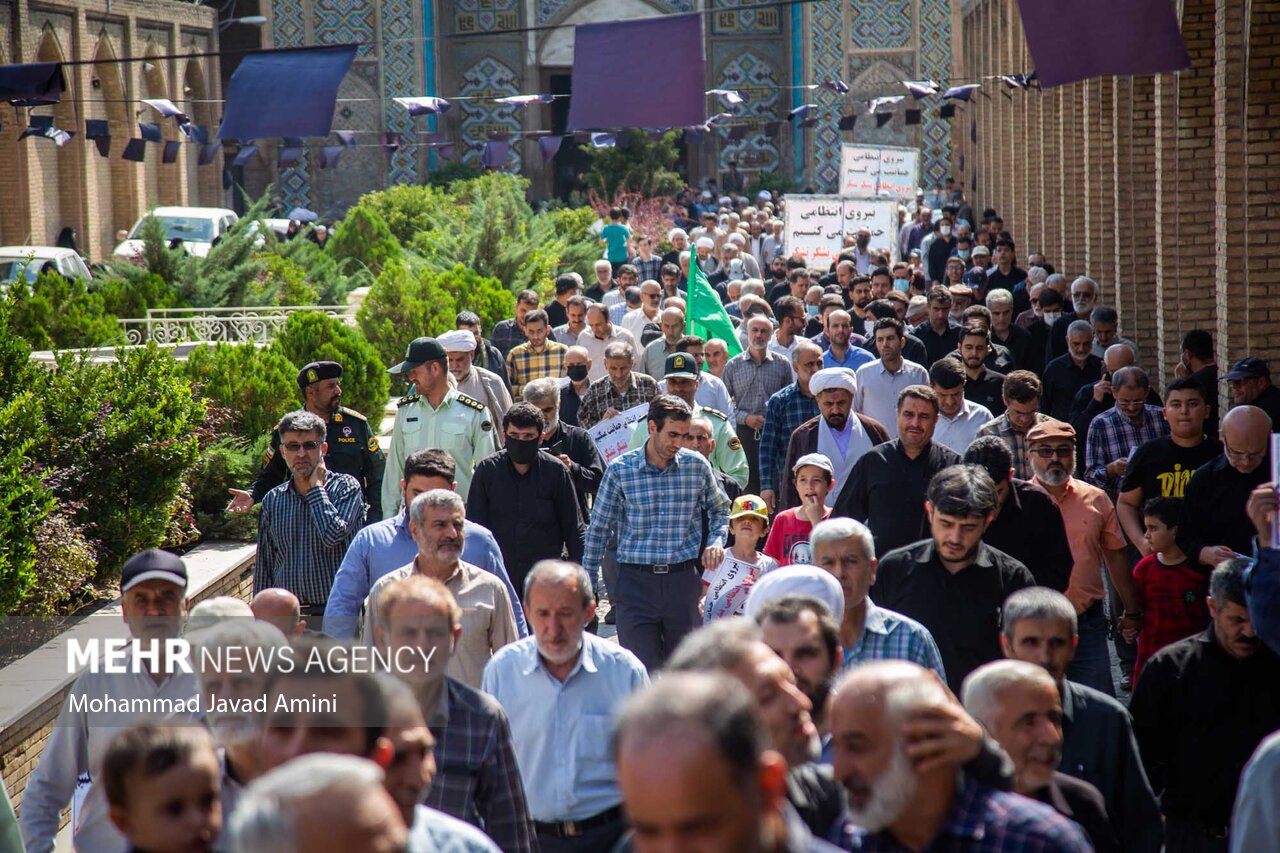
{"x": 477, "y": 778}
{"x": 602, "y": 396}
{"x": 657, "y": 513}
{"x": 752, "y": 383}
{"x": 984, "y": 820}
{"x": 301, "y": 539}
{"x": 1017, "y": 442}
{"x": 784, "y": 411}
{"x": 648, "y": 269}
{"x": 506, "y": 335}
{"x": 1113, "y": 436}
{"x": 887, "y": 635}
{"x": 524, "y": 365}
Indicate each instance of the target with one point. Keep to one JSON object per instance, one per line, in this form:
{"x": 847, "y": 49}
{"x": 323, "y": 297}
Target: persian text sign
{"x": 816, "y": 225}
{"x": 613, "y": 435}
{"x": 879, "y": 171}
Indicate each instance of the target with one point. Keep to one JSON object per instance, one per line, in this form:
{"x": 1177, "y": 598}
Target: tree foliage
{"x": 310, "y": 336}
{"x": 403, "y": 305}
{"x": 636, "y": 164}
{"x": 257, "y": 384}
{"x": 60, "y": 313}
{"x": 363, "y": 239}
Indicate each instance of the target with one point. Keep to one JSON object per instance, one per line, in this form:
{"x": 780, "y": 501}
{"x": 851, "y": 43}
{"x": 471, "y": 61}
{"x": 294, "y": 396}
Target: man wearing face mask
{"x": 940, "y": 249}
{"x": 1084, "y": 298}
{"x": 526, "y": 497}
{"x": 861, "y": 255}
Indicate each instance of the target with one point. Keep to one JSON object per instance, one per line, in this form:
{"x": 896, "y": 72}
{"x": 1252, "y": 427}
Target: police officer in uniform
{"x": 682, "y": 376}
{"x": 353, "y": 446}
{"x": 435, "y": 415}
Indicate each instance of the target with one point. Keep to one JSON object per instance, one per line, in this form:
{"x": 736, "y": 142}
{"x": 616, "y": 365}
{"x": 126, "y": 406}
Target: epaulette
{"x": 707, "y": 410}
{"x": 470, "y": 402}
{"x": 352, "y": 413}
{"x": 406, "y": 400}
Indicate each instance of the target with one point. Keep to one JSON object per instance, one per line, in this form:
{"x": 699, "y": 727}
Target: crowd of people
{"x": 920, "y": 559}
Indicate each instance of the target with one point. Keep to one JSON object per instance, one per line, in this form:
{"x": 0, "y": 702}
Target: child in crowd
{"x": 162, "y": 785}
{"x": 725, "y": 588}
{"x": 1171, "y": 591}
{"x": 788, "y": 540}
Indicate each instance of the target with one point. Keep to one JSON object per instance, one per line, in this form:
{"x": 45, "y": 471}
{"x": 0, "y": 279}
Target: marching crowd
{"x": 918, "y": 558}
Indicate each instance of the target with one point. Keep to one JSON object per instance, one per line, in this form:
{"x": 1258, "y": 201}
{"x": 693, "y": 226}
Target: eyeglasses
{"x": 295, "y": 446}
{"x": 1050, "y": 452}
{"x": 1242, "y": 455}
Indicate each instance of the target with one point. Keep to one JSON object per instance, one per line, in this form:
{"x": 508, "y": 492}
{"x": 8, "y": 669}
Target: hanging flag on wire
{"x": 1102, "y": 38}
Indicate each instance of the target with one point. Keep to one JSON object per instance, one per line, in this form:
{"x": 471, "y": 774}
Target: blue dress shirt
{"x": 887, "y": 635}
{"x": 382, "y": 548}
{"x": 562, "y": 731}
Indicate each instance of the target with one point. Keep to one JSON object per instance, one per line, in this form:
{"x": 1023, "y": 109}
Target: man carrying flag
{"x": 706, "y": 316}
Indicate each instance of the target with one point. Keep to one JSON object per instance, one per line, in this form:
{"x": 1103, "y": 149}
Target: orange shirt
{"x": 1092, "y": 528}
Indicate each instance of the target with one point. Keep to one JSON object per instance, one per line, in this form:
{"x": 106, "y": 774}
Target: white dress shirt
{"x": 878, "y": 391}
{"x": 595, "y": 349}
{"x": 958, "y": 432}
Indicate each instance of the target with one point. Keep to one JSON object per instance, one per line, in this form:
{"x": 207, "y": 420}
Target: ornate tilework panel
{"x": 741, "y": 17}
{"x": 881, "y": 24}
{"x": 934, "y": 60}
{"x": 482, "y": 16}
{"x": 400, "y": 79}
{"x": 871, "y": 76}
{"x": 362, "y": 168}
{"x": 288, "y": 24}
{"x": 547, "y": 11}
{"x": 343, "y": 22}
{"x": 758, "y": 80}
{"x": 826, "y": 60}
{"x": 488, "y": 78}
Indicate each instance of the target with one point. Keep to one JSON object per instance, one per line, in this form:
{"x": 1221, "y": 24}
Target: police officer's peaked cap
{"x": 317, "y": 371}
{"x": 681, "y": 365}
{"x": 420, "y": 351}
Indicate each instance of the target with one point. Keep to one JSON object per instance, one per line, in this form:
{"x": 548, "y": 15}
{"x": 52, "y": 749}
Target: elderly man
{"x": 716, "y": 353}
{"x": 436, "y": 523}
{"x": 896, "y": 804}
{"x": 1093, "y": 530}
{"x": 1094, "y": 398}
{"x": 476, "y": 382}
{"x": 656, "y": 352}
{"x": 959, "y": 418}
{"x": 1008, "y": 334}
{"x": 785, "y": 410}
{"x": 682, "y": 378}
{"x": 604, "y": 289}
{"x": 384, "y": 547}
{"x": 1018, "y": 704}
{"x": 152, "y": 597}
{"x": 570, "y": 444}
{"x": 1250, "y": 383}
{"x": 1021, "y": 397}
{"x": 752, "y": 377}
{"x": 692, "y": 752}
{"x": 1200, "y": 709}
{"x": 880, "y": 382}
{"x": 649, "y": 311}
{"x": 486, "y": 354}
{"x": 479, "y": 777}
{"x": 576, "y": 382}
{"x": 1068, "y": 373}
{"x": 1115, "y": 434}
{"x": 621, "y": 389}
{"x": 599, "y": 335}
{"x": 897, "y": 473}
{"x": 563, "y": 686}
{"x": 953, "y": 583}
{"x": 838, "y": 433}
{"x": 281, "y": 609}
{"x": 1098, "y": 745}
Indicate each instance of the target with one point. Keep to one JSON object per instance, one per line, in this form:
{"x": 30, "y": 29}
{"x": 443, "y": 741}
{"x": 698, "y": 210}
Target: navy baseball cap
{"x": 1248, "y": 368}
{"x": 153, "y": 565}
{"x": 420, "y": 351}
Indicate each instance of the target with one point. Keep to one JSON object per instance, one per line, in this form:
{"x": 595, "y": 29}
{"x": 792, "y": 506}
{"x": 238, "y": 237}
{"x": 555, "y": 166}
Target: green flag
{"x": 707, "y": 317}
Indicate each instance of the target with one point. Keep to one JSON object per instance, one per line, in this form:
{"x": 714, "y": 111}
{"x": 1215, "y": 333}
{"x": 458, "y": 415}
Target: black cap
{"x": 420, "y": 351}
{"x": 1249, "y": 368}
{"x": 681, "y": 365}
{"x": 153, "y": 565}
{"x": 317, "y": 371}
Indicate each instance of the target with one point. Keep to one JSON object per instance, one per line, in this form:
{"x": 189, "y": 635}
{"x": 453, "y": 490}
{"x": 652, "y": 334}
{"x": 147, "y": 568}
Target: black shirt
{"x": 587, "y": 470}
{"x": 556, "y": 314}
{"x": 570, "y": 402}
{"x": 1057, "y": 344}
{"x": 1162, "y": 469}
{"x": 1269, "y": 402}
{"x": 1018, "y": 343}
{"x": 1061, "y": 380}
{"x": 1079, "y": 801}
{"x": 899, "y": 485}
{"x": 961, "y": 610}
{"x": 1199, "y": 713}
{"x": 1039, "y": 331}
{"x": 1213, "y": 507}
{"x": 987, "y": 390}
{"x": 1208, "y": 379}
{"x": 1005, "y": 281}
{"x": 1030, "y": 529}
{"x": 937, "y": 345}
{"x": 534, "y": 516}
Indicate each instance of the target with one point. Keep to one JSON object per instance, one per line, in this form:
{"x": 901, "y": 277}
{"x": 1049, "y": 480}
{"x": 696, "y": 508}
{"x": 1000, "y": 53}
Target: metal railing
{"x": 234, "y": 325}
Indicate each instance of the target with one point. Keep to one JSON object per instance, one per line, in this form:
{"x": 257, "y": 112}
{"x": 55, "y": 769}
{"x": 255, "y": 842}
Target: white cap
{"x": 676, "y": 232}
{"x": 214, "y": 610}
{"x": 724, "y": 201}
{"x": 798, "y": 579}
{"x": 833, "y": 379}
{"x": 736, "y": 237}
{"x": 817, "y": 460}
{"x": 764, "y": 195}
{"x": 706, "y": 243}
{"x": 457, "y": 340}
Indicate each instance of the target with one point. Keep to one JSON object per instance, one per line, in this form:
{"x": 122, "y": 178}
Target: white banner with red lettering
{"x": 879, "y": 171}
{"x": 816, "y": 225}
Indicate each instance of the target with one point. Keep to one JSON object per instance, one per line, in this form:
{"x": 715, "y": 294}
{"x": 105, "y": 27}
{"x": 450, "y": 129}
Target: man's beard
{"x": 838, "y": 422}
{"x": 891, "y": 792}
{"x": 1054, "y": 476}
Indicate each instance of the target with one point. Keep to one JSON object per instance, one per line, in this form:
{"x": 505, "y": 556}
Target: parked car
{"x": 29, "y": 261}
{"x": 197, "y": 227}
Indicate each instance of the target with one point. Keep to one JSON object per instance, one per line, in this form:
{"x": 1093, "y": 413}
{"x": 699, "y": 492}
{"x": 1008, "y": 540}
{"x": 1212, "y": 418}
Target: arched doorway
{"x": 203, "y": 185}
{"x": 116, "y": 175}
{"x": 54, "y": 170}
{"x": 163, "y": 186}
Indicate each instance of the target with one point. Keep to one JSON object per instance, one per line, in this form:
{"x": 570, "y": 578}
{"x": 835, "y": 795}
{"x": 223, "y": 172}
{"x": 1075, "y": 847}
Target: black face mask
{"x": 863, "y": 242}
{"x": 523, "y": 451}
{"x": 576, "y": 372}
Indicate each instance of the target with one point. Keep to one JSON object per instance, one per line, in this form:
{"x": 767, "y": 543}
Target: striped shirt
{"x": 302, "y": 538}
{"x": 887, "y": 635}
{"x": 648, "y": 269}
{"x": 1017, "y": 442}
{"x": 751, "y": 383}
{"x": 1113, "y": 436}
{"x": 656, "y": 512}
{"x": 785, "y": 411}
{"x": 524, "y": 365}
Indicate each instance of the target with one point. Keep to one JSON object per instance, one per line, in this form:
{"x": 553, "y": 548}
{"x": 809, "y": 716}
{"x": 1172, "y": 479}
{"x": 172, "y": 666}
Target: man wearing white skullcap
{"x": 838, "y": 433}
{"x": 798, "y": 579}
{"x": 707, "y": 262}
{"x": 476, "y": 382}
{"x": 679, "y": 240}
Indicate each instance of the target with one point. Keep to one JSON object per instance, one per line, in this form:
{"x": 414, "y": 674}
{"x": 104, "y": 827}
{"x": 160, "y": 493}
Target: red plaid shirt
{"x": 1172, "y": 599}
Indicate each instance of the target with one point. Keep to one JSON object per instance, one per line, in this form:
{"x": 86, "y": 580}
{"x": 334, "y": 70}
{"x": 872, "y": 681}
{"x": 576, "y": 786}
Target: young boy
{"x": 1171, "y": 592}
{"x": 162, "y": 785}
{"x": 725, "y": 588}
{"x": 788, "y": 540}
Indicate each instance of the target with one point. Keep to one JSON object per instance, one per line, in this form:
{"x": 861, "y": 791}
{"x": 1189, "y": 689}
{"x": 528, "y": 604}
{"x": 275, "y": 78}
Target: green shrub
{"x": 407, "y": 208}
{"x": 59, "y": 313}
{"x": 281, "y": 282}
{"x": 257, "y": 384}
{"x": 311, "y": 336}
{"x": 362, "y": 239}
{"x": 570, "y": 225}
{"x": 636, "y": 164}
{"x": 25, "y": 502}
{"x": 323, "y": 273}
{"x": 66, "y": 564}
{"x": 402, "y": 306}
{"x": 230, "y": 463}
{"x": 450, "y": 173}
{"x": 120, "y": 438}
{"x": 131, "y": 297}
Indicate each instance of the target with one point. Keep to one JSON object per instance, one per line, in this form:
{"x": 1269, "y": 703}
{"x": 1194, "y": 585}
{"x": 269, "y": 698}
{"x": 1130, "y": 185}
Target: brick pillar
{"x": 1051, "y": 140}
{"x": 1015, "y": 193}
{"x": 1099, "y": 205}
{"x": 1071, "y": 105}
{"x": 1034, "y": 162}
{"x": 1133, "y": 122}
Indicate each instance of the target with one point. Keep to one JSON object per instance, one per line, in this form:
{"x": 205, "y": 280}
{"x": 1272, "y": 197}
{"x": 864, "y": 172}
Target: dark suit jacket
{"x": 1079, "y": 801}
{"x": 805, "y": 440}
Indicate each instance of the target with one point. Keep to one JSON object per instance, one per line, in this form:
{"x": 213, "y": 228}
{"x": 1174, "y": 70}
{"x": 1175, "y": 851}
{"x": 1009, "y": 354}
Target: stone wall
{"x": 1160, "y": 188}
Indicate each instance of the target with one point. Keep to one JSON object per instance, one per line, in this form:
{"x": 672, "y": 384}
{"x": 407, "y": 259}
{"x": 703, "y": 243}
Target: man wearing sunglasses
{"x": 1093, "y": 530}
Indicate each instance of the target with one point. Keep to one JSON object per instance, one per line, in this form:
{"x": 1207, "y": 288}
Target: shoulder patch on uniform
{"x": 470, "y": 402}
{"x": 351, "y": 413}
{"x": 735, "y": 444}
{"x": 266, "y": 457}
{"x": 406, "y": 400}
{"x": 374, "y": 447}
{"x": 337, "y": 417}
{"x": 486, "y": 425}
{"x": 707, "y": 410}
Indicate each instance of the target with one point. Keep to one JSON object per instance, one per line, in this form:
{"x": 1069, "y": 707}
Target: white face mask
{"x": 945, "y": 230}
{"x": 1051, "y": 317}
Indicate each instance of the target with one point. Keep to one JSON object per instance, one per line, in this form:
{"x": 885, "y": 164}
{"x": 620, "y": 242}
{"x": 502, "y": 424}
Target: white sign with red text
{"x": 816, "y": 225}
{"x": 879, "y": 171}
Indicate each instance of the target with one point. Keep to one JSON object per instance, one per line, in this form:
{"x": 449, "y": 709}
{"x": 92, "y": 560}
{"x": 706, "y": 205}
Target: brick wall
{"x": 1160, "y": 188}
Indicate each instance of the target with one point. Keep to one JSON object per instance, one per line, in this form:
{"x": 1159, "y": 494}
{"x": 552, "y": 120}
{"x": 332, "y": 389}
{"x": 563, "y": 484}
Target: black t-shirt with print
{"x": 1162, "y": 469}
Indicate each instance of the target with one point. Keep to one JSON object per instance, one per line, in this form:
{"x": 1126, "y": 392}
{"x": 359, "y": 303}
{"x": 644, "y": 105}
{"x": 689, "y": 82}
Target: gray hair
{"x": 839, "y": 529}
{"x": 802, "y": 346}
{"x": 1084, "y": 279}
{"x": 236, "y": 634}
{"x": 602, "y": 263}
{"x": 1036, "y": 275}
{"x": 435, "y": 499}
{"x": 1080, "y": 327}
{"x": 558, "y": 572}
{"x": 980, "y": 694}
{"x": 722, "y": 645}
{"x": 906, "y": 688}
{"x": 620, "y": 349}
{"x": 300, "y": 420}
{"x": 685, "y": 255}
{"x": 1131, "y": 377}
{"x": 752, "y": 286}
{"x": 999, "y": 296}
{"x": 263, "y": 821}
{"x": 1053, "y": 280}
{"x": 546, "y": 389}
{"x": 1226, "y": 584}
{"x": 1038, "y": 602}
